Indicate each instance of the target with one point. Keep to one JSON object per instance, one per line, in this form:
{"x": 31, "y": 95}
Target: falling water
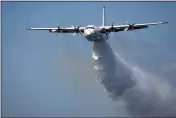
{"x": 111, "y": 72}
{"x": 143, "y": 93}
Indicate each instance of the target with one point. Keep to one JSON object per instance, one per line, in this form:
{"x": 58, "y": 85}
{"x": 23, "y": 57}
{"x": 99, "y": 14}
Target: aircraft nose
{"x": 89, "y": 32}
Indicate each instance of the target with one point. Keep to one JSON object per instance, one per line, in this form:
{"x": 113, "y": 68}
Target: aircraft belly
{"x": 94, "y": 38}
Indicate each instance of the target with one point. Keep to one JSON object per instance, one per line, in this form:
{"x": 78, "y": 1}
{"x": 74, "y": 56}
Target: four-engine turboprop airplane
{"x": 98, "y": 33}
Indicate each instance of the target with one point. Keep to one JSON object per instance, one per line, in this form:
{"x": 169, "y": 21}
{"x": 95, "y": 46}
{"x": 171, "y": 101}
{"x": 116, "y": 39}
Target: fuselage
{"x": 92, "y": 33}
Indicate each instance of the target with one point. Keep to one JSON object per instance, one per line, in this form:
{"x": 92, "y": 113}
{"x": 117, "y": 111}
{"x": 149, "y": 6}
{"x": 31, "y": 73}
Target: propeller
{"x": 77, "y": 30}
{"x": 130, "y": 27}
{"x": 58, "y": 29}
{"x": 112, "y": 29}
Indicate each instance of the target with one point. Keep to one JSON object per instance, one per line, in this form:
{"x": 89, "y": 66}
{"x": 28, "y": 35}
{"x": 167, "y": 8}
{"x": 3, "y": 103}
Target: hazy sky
{"x": 47, "y": 75}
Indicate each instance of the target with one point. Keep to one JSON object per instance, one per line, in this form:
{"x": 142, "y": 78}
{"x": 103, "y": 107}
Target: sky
{"x": 44, "y": 74}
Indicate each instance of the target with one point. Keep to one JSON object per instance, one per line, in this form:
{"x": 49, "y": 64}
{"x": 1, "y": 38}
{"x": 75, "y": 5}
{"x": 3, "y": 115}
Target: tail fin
{"x": 103, "y": 21}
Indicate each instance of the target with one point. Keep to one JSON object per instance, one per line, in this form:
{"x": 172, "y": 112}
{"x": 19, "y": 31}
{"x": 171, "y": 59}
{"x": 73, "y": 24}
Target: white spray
{"x": 144, "y": 94}
{"x": 112, "y": 73}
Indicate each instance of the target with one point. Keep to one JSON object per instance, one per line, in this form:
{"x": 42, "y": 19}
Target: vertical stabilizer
{"x": 103, "y": 21}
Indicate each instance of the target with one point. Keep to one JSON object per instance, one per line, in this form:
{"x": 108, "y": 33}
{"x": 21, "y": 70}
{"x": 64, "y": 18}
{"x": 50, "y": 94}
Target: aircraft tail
{"x": 103, "y": 21}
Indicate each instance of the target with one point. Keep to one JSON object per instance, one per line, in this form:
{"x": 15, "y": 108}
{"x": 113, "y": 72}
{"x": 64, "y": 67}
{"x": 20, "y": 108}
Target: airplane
{"x": 98, "y": 33}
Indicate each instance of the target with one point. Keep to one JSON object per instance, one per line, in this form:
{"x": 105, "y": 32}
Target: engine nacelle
{"x": 103, "y": 30}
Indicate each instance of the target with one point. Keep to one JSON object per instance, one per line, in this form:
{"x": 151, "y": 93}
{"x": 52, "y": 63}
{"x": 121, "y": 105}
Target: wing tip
{"x": 28, "y": 28}
{"x": 164, "y": 22}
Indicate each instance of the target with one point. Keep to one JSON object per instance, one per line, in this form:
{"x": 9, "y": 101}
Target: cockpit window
{"x": 90, "y": 27}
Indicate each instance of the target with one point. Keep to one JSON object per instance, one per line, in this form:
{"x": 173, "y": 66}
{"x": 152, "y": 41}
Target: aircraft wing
{"x": 128, "y": 27}
{"x": 61, "y": 30}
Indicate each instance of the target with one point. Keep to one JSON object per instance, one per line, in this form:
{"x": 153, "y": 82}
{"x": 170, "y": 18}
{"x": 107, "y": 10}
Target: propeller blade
{"x": 112, "y": 27}
{"x": 77, "y": 29}
{"x": 58, "y": 28}
{"x": 127, "y": 22}
{"x": 125, "y": 29}
{"x": 130, "y": 26}
{"x": 72, "y": 26}
{"x": 74, "y": 34}
{"x": 133, "y": 24}
{"x": 57, "y": 23}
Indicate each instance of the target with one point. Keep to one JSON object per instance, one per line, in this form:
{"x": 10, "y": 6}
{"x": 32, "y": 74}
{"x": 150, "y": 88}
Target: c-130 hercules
{"x": 98, "y": 33}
